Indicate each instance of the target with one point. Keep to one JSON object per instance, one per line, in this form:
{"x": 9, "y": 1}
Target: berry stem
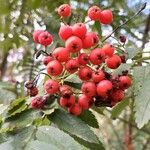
{"x": 130, "y": 19}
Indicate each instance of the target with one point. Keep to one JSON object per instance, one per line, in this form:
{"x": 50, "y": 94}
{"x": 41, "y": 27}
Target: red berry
{"x": 83, "y": 59}
{"x": 47, "y": 59}
{"x": 64, "y": 10}
{"x": 97, "y": 56}
{"x": 51, "y": 86}
{"x": 37, "y": 102}
{"x": 54, "y": 68}
{"x": 36, "y": 34}
{"x": 75, "y": 110}
{"x": 45, "y": 38}
{"x": 85, "y": 73}
{"x": 103, "y": 87}
{"x": 98, "y": 76}
{"x": 89, "y": 89}
{"x": 72, "y": 65}
{"x": 87, "y": 41}
{"x": 73, "y": 44}
{"x": 65, "y": 32}
{"x": 29, "y": 84}
{"x": 65, "y": 91}
{"x": 94, "y": 37}
{"x": 67, "y": 102}
{"x": 125, "y": 82}
{"x": 122, "y": 38}
{"x": 33, "y": 91}
{"x": 94, "y": 13}
{"x": 117, "y": 96}
{"x": 108, "y": 49}
{"x": 113, "y": 62}
{"x": 79, "y": 30}
{"x": 84, "y": 102}
{"x": 61, "y": 54}
{"x": 106, "y": 17}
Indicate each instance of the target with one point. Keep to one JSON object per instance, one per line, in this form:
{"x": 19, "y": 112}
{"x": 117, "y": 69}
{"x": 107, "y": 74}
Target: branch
{"x": 142, "y": 8}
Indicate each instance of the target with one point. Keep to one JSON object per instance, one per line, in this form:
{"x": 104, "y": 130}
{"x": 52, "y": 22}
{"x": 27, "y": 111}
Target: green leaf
{"x": 97, "y": 26}
{"x": 132, "y": 51}
{"x": 73, "y": 125}
{"x": 89, "y": 118}
{"x": 74, "y": 85}
{"x": 141, "y": 89}
{"x": 58, "y": 138}
{"x": 116, "y": 111}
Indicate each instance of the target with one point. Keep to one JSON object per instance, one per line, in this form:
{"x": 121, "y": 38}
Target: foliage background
{"x": 118, "y": 127}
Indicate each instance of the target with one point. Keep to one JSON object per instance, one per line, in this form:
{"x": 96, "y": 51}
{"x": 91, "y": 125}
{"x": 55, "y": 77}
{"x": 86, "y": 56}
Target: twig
{"x": 142, "y": 8}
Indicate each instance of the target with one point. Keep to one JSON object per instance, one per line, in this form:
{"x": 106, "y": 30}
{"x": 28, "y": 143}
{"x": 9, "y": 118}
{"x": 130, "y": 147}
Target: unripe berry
{"x": 37, "y": 102}
{"x": 61, "y": 54}
{"x": 36, "y": 34}
{"x": 84, "y": 101}
{"x": 67, "y": 102}
{"x": 98, "y": 76}
{"x": 106, "y": 17}
{"x": 33, "y": 91}
{"x": 125, "y": 82}
{"x": 94, "y": 13}
{"x": 47, "y": 59}
{"x": 83, "y": 59}
{"x": 51, "y": 86}
{"x": 54, "y": 68}
{"x": 113, "y": 62}
{"x": 108, "y": 49}
{"x": 79, "y": 30}
{"x": 75, "y": 110}
{"x": 65, "y": 32}
{"x": 64, "y": 10}
{"x": 45, "y": 38}
{"x": 103, "y": 87}
{"x": 73, "y": 44}
{"x": 97, "y": 56}
{"x": 85, "y": 73}
{"x": 72, "y": 65}
{"x": 89, "y": 89}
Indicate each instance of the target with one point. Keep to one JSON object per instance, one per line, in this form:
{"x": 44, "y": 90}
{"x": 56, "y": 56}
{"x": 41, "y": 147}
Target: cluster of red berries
{"x": 98, "y": 87}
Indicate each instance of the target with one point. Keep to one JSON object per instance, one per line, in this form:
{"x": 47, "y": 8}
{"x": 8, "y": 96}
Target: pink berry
{"x": 94, "y": 13}
{"x": 85, "y": 73}
{"x": 125, "y": 82}
{"x": 64, "y": 10}
{"x": 36, "y": 34}
{"x": 72, "y": 65}
{"x": 87, "y": 41}
{"x": 47, "y": 59}
{"x": 94, "y": 36}
{"x": 67, "y": 102}
{"x": 108, "y": 49}
{"x": 98, "y": 76}
{"x": 75, "y": 110}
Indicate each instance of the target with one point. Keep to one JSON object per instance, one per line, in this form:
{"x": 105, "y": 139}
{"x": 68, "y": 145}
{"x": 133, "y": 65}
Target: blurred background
{"x": 19, "y": 18}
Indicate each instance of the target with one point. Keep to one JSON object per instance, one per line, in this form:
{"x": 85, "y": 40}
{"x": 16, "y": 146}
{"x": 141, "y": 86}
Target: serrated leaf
{"x": 73, "y": 125}
{"x": 116, "y": 111}
{"x": 141, "y": 89}
{"x": 58, "y": 138}
{"x": 89, "y": 118}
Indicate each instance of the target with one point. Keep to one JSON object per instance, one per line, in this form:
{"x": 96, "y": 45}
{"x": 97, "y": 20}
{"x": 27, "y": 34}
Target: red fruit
{"x": 106, "y": 17}
{"x": 103, "y": 87}
{"x": 89, "y": 89}
{"x": 47, "y": 59}
{"x": 29, "y": 84}
{"x": 65, "y": 91}
{"x": 97, "y": 56}
{"x": 83, "y": 59}
{"x": 54, "y": 68}
{"x": 87, "y": 41}
{"x": 65, "y": 32}
{"x": 38, "y": 102}
{"x": 33, "y": 91}
{"x": 113, "y": 62}
{"x": 61, "y": 54}
{"x": 45, "y": 38}
{"x": 117, "y": 96}
{"x": 73, "y": 44}
{"x": 108, "y": 49}
{"x": 72, "y": 65}
{"x": 98, "y": 76}
{"x": 122, "y": 38}
{"x": 94, "y": 13}
{"x": 85, "y": 73}
{"x": 51, "y": 86}
{"x": 36, "y": 34}
{"x": 125, "y": 82}
{"x": 64, "y": 10}
{"x": 79, "y": 30}
{"x": 67, "y": 102}
{"x": 84, "y": 102}
{"x": 94, "y": 37}
{"x": 75, "y": 110}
